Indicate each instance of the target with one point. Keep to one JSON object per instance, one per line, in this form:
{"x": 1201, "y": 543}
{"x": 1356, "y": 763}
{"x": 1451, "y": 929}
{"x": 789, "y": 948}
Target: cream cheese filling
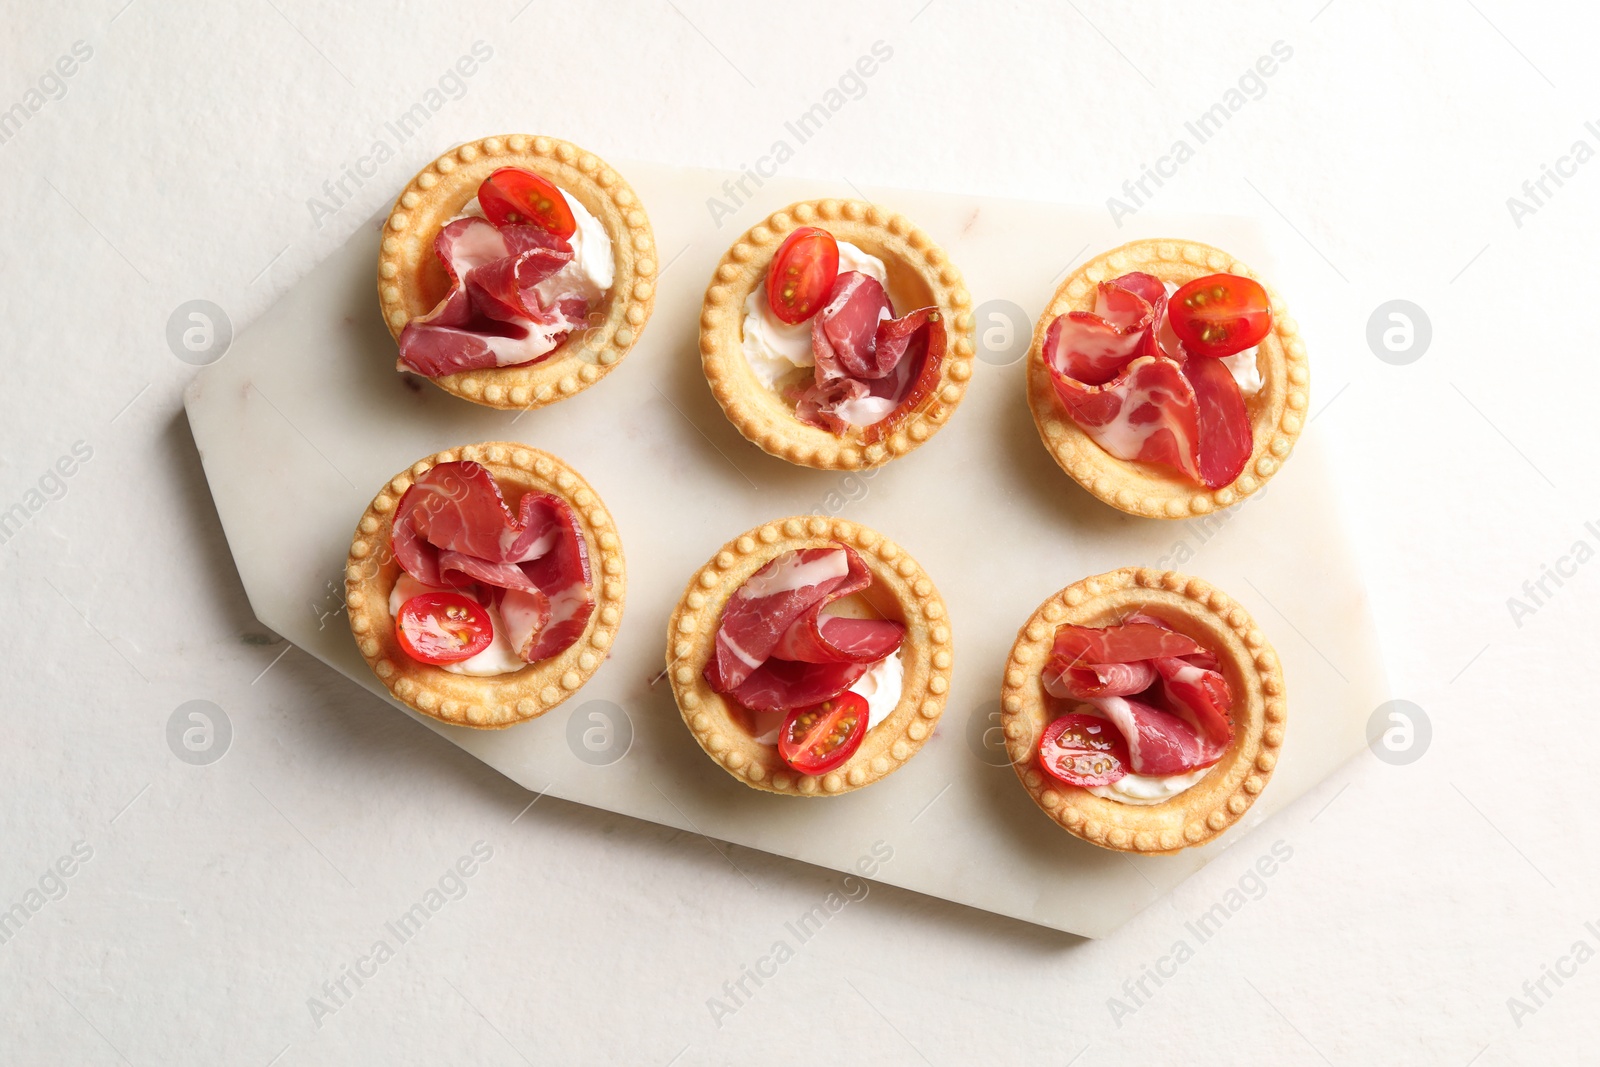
{"x": 774, "y": 348}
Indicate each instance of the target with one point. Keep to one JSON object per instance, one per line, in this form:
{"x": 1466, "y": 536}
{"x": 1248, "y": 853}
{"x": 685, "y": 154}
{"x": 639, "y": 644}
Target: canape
{"x": 516, "y": 271}
{"x": 485, "y": 584}
{"x": 837, "y": 335}
{"x": 1167, "y": 379}
{"x": 1143, "y": 710}
{"x": 810, "y": 656}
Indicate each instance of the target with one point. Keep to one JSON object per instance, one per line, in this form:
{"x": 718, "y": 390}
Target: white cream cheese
{"x": 498, "y": 658}
{"x": 1144, "y": 789}
{"x": 772, "y": 346}
{"x": 1242, "y": 365}
{"x": 880, "y": 686}
{"x": 593, "y": 267}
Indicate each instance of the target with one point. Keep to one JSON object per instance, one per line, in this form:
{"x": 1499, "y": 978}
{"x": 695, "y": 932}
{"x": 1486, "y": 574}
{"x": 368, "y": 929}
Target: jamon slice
{"x": 1159, "y": 742}
{"x": 1084, "y": 682}
{"x": 1194, "y": 687}
{"x": 498, "y": 312}
{"x": 1093, "y": 347}
{"x": 1125, "y": 379}
{"x": 761, "y": 611}
{"x": 1225, "y": 440}
{"x": 783, "y": 685}
{"x": 1148, "y": 413}
{"x": 819, "y": 638}
{"x": 1179, "y": 727}
{"x": 871, "y": 370}
{"x": 1139, "y": 638}
{"x": 776, "y": 650}
{"x": 453, "y": 527}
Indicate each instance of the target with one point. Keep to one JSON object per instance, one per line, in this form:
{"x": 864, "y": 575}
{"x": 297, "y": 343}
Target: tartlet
{"x": 1192, "y": 607}
{"x": 901, "y": 591}
{"x": 919, "y": 275}
{"x": 1277, "y": 412}
{"x": 371, "y": 571}
{"x": 411, "y": 281}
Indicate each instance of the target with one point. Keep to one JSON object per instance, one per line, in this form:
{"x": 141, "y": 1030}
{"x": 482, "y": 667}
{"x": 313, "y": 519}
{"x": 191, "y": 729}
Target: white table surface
{"x": 216, "y": 900}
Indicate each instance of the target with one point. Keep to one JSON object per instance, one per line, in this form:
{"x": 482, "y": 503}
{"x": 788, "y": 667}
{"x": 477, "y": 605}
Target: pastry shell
{"x": 501, "y": 700}
{"x": 1249, "y": 663}
{"x": 927, "y": 654}
{"x": 1277, "y": 411}
{"x": 920, "y": 274}
{"x": 411, "y": 281}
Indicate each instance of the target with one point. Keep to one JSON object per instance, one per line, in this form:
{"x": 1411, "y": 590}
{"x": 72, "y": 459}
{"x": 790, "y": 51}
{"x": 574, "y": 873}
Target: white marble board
{"x": 304, "y": 419}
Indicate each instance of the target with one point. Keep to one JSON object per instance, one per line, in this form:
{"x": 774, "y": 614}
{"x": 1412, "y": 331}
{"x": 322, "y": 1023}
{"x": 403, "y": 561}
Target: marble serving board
{"x": 304, "y": 419}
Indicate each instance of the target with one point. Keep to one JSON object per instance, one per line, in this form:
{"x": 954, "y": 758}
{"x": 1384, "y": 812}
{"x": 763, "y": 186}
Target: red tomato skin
{"x": 809, "y": 260}
{"x": 1220, "y": 325}
{"x": 1083, "y": 761}
{"x": 512, "y": 196}
{"x": 798, "y": 755}
{"x": 476, "y": 619}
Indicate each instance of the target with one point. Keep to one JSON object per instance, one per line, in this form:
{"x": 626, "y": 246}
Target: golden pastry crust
{"x": 920, "y": 275}
{"x": 1277, "y": 413}
{"x": 502, "y": 700}
{"x": 411, "y": 281}
{"x": 927, "y": 654}
{"x": 1254, "y": 676}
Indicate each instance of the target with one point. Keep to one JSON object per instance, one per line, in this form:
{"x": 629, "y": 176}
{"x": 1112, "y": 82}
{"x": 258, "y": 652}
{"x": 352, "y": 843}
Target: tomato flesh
{"x": 515, "y": 197}
{"x": 443, "y": 628}
{"x": 1219, "y": 315}
{"x": 802, "y": 274}
{"x": 1083, "y": 750}
{"x": 817, "y": 739}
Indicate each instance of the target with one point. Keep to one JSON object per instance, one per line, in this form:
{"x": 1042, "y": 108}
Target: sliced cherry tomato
{"x": 1219, "y": 314}
{"x": 802, "y": 274}
{"x": 817, "y": 739}
{"x": 515, "y": 197}
{"x": 1083, "y": 750}
{"x": 443, "y": 628}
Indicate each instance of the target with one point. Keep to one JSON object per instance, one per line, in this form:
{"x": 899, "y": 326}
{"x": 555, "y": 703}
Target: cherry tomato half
{"x": 802, "y": 274}
{"x": 514, "y": 197}
{"x": 1083, "y": 750}
{"x": 1219, "y": 314}
{"x": 443, "y": 628}
{"x": 817, "y": 739}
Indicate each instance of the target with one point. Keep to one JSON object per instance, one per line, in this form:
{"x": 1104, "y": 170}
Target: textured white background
{"x": 218, "y": 899}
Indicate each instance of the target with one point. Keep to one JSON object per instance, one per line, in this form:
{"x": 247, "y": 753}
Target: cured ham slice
{"x": 776, "y": 650}
{"x": 453, "y": 528}
{"x": 761, "y": 611}
{"x": 1126, "y": 380}
{"x": 781, "y": 685}
{"x": 502, "y": 309}
{"x": 561, "y": 572}
{"x": 844, "y": 334}
{"x": 1160, "y": 688}
{"x": 526, "y": 614}
{"x": 1199, "y": 694}
{"x": 916, "y": 373}
{"x": 1159, "y": 742}
{"x": 1225, "y": 442}
{"x": 872, "y": 370}
{"x": 1137, "y": 639}
{"x": 1194, "y": 687}
{"x": 818, "y": 638}
{"x": 1148, "y": 413}
{"x": 1093, "y": 347}
{"x": 1085, "y": 682}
